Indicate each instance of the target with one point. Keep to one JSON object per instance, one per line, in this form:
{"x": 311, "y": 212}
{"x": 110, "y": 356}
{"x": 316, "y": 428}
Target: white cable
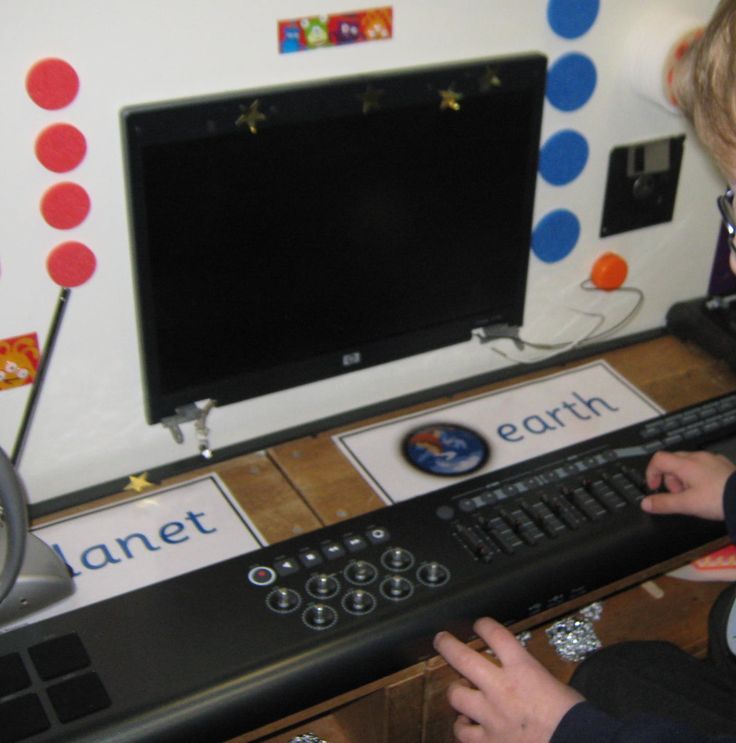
{"x": 586, "y": 286}
{"x": 588, "y": 337}
{"x": 558, "y": 348}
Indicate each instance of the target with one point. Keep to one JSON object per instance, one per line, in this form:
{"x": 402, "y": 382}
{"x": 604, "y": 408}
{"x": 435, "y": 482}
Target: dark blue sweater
{"x": 584, "y": 722}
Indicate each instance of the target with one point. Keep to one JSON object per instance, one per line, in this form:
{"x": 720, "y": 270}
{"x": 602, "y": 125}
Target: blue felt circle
{"x": 572, "y": 18}
{"x": 563, "y": 157}
{"x": 571, "y": 81}
{"x": 555, "y": 235}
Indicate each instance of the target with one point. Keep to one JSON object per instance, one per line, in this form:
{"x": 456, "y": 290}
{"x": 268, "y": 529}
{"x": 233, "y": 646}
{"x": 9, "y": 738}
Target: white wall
{"x": 90, "y": 425}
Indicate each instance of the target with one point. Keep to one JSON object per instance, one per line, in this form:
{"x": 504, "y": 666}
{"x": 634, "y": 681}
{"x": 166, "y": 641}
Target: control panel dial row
{"x": 396, "y": 586}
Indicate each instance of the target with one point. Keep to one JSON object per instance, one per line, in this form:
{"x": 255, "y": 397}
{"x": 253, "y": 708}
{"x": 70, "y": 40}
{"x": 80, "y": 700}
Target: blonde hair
{"x": 704, "y": 86}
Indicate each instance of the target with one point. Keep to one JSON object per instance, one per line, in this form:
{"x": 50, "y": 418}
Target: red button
{"x": 261, "y": 576}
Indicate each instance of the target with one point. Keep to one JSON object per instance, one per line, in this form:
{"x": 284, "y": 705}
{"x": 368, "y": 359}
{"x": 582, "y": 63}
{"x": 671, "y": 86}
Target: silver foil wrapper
{"x": 574, "y": 637}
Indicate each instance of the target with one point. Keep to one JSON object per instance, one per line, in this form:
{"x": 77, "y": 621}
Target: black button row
{"x": 357, "y": 600}
{"x": 571, "y": 467}
{"x": 676, "y": 428}
{"x": 330, "y": 550}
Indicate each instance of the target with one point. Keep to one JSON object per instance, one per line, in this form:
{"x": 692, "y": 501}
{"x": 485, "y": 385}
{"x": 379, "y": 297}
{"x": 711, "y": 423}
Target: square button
{"x": 286, "y": 566}
{"x": 333, "y": 550}
{"x": 22, "y": 717}
{"x": 56, "y": 657}
{"x": 78, "y": 697}
{"x": 355, "y": 543}
{"x": 377, "y": 535}
{"x": 310, "y": 558}
{"x": 13, "y": 674}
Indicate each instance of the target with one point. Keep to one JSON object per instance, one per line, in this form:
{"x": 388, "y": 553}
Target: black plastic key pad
{"x": 77, "y": 697}
{"x": 59, "y": 656}
{"x": 22, "y": 717}
{"x": 13, "y": 674}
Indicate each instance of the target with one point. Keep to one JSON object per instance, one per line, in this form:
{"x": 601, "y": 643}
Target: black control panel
{"x": 711, "y": 323}
{"x": 225, "y": 649}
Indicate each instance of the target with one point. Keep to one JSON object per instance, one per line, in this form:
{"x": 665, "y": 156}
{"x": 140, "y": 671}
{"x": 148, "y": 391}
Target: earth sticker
{"x": 445, "y": 449}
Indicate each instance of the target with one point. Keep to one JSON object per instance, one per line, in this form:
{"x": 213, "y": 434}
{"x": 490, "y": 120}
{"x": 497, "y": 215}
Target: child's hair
{"x": 705, "y": 86}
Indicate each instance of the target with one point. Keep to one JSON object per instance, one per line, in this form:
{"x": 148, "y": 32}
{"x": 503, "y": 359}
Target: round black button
{"x": 445, "y": 512}
{"x": 358, "y": 601}
{"x": 397, "y": 558}
{"x": 396, "y": 587}
{"x": 319, "y": 616}
{"x": 433, "y": 574}
{"x": 322, "y": 586}
{"x": 360, "y": 572}
{"x": 283, "y": 600}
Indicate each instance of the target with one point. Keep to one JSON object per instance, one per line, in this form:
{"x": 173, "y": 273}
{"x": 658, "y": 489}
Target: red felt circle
{"x": 65, "y": 205}
{"x": 71, "y": 264}
{"x": 60, "y": 147}
{"x": 52, "y": 83}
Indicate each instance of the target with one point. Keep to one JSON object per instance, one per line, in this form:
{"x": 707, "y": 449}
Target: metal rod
{"x": 43, "y": 366}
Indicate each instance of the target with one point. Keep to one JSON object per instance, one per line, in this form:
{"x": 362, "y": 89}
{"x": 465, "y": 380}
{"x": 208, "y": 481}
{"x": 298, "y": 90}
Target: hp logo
{"x": 352, "y": 359}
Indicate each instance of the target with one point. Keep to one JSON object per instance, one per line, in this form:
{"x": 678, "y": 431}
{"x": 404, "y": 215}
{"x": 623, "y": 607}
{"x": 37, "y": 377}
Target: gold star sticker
{"x": 371, "y": 99}
{"x": 489, "y": 79}
{"x": 138, "y": 483}
{"x": 251, "y": 116}
{"x": 450, "y": 99}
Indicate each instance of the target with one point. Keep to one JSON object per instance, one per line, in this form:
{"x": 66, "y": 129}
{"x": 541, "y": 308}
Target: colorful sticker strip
{"x": 338, "y": 29}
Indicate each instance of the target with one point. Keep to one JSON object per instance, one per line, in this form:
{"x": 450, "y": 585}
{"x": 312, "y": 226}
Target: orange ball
{"x": 609, "y": 271}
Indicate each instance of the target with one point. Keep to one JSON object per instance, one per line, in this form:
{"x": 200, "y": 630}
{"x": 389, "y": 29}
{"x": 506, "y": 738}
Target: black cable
{"x": 20, "y": 440}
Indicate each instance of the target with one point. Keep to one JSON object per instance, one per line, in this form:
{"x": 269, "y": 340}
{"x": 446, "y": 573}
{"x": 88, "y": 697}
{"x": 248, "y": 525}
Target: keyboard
{"x": 233, "y": 646}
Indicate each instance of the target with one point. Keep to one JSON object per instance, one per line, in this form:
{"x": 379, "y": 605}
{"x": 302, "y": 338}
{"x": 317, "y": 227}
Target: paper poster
{"x": 716, "y": 566}
{"x": 425, "y": 451}
{"x": 125, "y": 546}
